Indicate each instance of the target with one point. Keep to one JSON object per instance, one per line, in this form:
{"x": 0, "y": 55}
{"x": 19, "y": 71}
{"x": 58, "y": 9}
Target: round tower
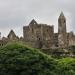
{"x": 61, "y": 23}
{"x": 62, "y": 35}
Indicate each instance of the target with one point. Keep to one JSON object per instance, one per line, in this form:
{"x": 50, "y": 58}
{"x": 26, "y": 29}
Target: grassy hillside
{"x": 17, "y": 59}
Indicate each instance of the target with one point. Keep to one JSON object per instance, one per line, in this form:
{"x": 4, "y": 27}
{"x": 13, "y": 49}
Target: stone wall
{"x": 40, "y": 35}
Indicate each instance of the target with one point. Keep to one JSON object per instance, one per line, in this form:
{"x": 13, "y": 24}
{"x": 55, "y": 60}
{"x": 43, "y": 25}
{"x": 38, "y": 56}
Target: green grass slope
{"x": 66, "y": 66}
{"x": 17, "y": 59}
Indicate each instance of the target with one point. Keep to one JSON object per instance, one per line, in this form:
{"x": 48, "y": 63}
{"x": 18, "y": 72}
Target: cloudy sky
{"x": 14, "y": 14}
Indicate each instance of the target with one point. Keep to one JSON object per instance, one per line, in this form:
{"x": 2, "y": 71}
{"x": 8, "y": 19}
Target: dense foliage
{"x": 17, "y": 59}
{"x": 66, "y": 66}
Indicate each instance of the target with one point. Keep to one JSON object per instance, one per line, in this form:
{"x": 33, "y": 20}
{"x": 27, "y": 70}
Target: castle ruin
{"x": 42, "y": 35}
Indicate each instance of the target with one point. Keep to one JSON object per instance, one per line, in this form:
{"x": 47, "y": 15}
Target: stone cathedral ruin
{"x": 42, "y": 35}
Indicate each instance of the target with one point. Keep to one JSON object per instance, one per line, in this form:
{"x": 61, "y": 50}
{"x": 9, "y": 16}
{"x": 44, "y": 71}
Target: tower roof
{"x": 33, "y": 22}
{"x": 61, "y": 15}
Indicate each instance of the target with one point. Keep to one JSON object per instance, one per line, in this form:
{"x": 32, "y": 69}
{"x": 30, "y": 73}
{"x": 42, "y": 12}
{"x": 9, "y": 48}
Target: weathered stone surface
{"x": 62, "y": 33}
{"x": 12, "y": 36}
{"x": 38, "y": 34}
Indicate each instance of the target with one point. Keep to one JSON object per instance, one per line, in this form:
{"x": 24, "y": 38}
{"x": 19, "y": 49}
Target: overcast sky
{"x": 14, "y": 14}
